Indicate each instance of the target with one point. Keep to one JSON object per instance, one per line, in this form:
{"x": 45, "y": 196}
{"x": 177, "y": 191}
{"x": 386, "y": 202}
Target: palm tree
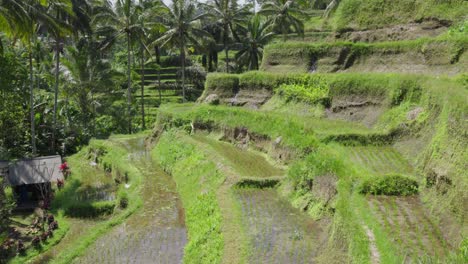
{"x": 229, "y": 16}
{"x": 258, "y": 35}
{"x": 122, "y": 20}
{"x": 330, "y": 7}
{"x": 70, "y": 14}
{"x": 150, "y": 27}
{"x": 14, "y": 18}
{"x": 87, "y": 73}
{"x": 183, "y": 24}
{"x": 283, "y": 15}
{"x": 26, "y": 18}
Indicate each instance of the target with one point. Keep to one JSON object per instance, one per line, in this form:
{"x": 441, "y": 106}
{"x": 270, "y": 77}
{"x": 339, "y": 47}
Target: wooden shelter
{"x": 32, "y": 179}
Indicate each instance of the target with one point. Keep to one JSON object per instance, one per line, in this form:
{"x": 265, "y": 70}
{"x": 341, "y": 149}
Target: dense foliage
{"x": 390, "y": 185}
{"x": 76, "y": 57}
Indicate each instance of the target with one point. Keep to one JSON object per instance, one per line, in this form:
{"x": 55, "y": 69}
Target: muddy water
{"x": 156, "y": 232}
{"x": 278, "y": 232}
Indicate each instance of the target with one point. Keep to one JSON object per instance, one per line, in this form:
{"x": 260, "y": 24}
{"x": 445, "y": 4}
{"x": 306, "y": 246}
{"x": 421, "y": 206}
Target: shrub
{"x": 90, "y": 209}
{"x": 258, "y": 80}
{"x": 123, "y": 199}
{"x": 308, "y": 88}
{"x": 223, "y": 81}
{"x": 196, "y": 74}
{"x": 393, "y": 184}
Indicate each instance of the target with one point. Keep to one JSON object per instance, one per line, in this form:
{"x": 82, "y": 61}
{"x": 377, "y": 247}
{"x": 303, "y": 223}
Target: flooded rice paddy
{"x": 155, "y": 233}
{"x": 278, "y": 232}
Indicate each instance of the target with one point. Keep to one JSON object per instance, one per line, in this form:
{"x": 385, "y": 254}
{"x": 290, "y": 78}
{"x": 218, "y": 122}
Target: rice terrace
{"x": 234, "y": 131}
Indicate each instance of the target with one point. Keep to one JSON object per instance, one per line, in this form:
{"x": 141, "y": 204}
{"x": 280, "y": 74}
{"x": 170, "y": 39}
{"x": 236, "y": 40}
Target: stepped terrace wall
{"x": 423, "y": 56}
{"x": 422, "y": 116}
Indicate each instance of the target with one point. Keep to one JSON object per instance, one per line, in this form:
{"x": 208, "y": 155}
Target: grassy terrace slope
{"x": 363, "y": 14}
{"x": 431, "y": 56}
{"x": 415, "y": 136}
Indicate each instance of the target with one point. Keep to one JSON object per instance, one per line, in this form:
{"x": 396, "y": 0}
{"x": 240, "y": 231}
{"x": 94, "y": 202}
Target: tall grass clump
{"x": 197, "y": 180}
{"x": 393, "y": 184}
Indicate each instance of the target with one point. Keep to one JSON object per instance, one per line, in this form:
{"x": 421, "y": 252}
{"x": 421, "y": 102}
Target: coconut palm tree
{"x": 228, "y": 18}
{"x": 284, "y": 15}
{"x": 87, "y": 73}
{"x": 115, "y": 21}
{"x": 151, "y": 27}
{"x": 258, "y": 35}
{"x": 183, "y": 30}
{"x": 69, "y": 14}
{"x": 330, "y": 7}
{"x": 14, "y": 18}
{"x": 22, "y": 20}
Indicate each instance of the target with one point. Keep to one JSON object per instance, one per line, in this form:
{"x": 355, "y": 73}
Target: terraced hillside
{"x": 275, "y": 231}
{"x": 330, "y": 159}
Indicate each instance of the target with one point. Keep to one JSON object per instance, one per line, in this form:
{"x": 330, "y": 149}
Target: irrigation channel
{"x": 156, "y": 233}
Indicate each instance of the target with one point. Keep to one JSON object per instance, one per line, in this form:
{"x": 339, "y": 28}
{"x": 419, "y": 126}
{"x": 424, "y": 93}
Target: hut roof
{"x": 34, "y": 171}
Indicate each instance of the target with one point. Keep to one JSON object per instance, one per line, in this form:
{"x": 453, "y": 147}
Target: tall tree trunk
{"x": 182, "y": 57}
{"x": 129, "y": 88}
{"x": 143, "y": 86}
{"x": 158, "y": 54}
{"x": 210, "y": 62}
{"x": 226, "y": 51}
{"x": 31, "y": 102}
{"x": 158, "y": 61}
{"x": 57, "y": 65}
{"x": 215, "y": 60}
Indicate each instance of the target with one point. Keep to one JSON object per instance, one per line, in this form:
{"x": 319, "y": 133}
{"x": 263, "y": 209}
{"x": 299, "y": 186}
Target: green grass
{"x": 79, "y": 163}
{"x": 380, "y": 160}
{"x": 296, "y": 57}
{"x": 296, "y": 131}
{"x": 378, "y": 13}
{"x": 197, "y": 181}
{"x": 246, "y": 163}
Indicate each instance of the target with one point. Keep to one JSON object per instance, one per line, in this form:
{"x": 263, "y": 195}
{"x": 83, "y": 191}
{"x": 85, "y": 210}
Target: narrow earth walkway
{"x": 156, "y": 232}
{"x": 274, "y": 231}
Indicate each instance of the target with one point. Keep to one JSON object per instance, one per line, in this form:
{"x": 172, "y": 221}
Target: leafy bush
{"x": 90, "y": 209}
{"x": 318, "y": 163}
{"x": 258, "y": 80}
{"x": 173, "y": 61}
{"x": 392, "y": 184}
{"x": 223, "y": 81}
{"x": 309, "y": 89}
{"x": 196, "y": 74}
{"x": 123, "y": 199}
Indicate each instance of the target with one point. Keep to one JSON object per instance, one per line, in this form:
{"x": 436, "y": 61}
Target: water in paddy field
{"x": 156, "y": 232}
{"x": 278, "y": 232}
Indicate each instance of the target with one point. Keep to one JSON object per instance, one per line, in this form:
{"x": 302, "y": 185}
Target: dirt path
{"x": 154, "y": 234}
{"x": 375, "y": 255}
